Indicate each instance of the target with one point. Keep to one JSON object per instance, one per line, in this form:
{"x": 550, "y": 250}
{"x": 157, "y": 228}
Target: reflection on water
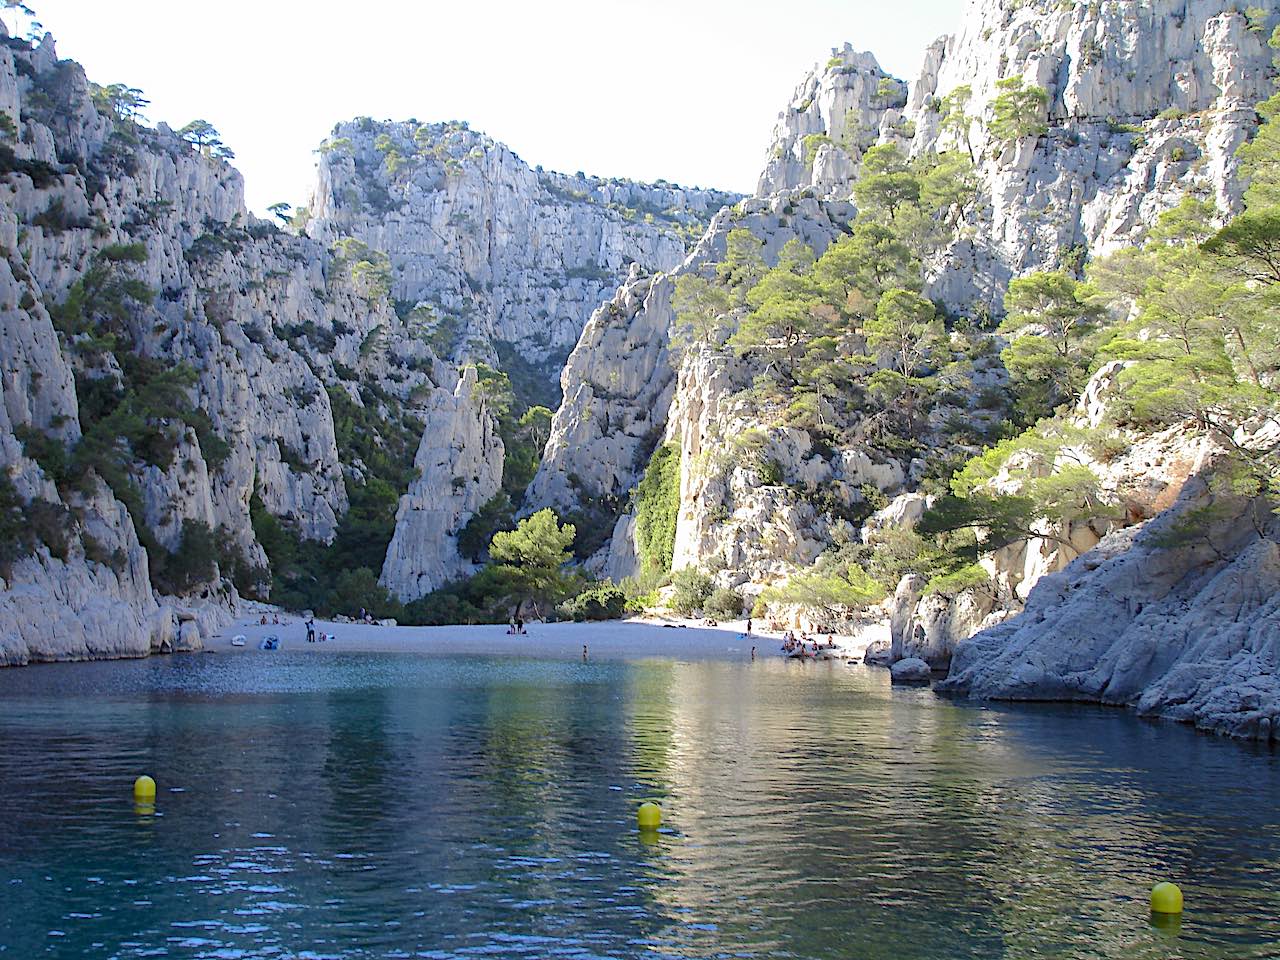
{"x": 316, "y": 805}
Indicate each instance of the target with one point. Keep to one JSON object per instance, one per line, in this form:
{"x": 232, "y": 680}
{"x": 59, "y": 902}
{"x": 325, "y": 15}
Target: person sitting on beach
{"x": 831, "y": 641}
{"x": 263, "y": 621}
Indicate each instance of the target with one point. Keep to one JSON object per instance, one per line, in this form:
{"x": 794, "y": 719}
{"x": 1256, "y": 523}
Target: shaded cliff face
{"x": 459, "y": 466}
{"x": 492, "y": 261}
{"x": 168, "y": 358}
{"x": 510, "y": 260}
{"x": 621, "y": 380}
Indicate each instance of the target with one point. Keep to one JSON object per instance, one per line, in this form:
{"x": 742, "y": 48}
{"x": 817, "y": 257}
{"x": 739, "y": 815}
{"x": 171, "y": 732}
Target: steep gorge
{"x": 198, "y": 403}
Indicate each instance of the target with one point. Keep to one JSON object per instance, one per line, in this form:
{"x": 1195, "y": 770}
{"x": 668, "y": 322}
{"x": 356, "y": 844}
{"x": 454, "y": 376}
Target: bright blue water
{"x": 326, "y": 805}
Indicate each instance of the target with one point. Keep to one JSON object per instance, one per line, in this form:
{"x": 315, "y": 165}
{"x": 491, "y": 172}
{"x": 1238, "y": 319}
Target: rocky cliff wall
{"x": 508, "y": 257}
{"x": 459, "y": 464}
{"x": 128, "y": 257}
{"x": 1191, "y": 633}
{"x": 621, "y": 378}
{"x": 1146, "y": 103}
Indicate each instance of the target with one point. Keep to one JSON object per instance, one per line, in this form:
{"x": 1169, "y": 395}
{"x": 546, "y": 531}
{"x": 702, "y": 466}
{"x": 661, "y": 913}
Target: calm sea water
{"x": 326, "y": 805}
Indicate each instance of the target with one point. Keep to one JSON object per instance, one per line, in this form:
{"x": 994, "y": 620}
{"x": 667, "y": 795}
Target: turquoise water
{"x": 326, "y": 805}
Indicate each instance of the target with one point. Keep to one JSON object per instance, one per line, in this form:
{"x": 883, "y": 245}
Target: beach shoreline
{"x": 634, "y": 638}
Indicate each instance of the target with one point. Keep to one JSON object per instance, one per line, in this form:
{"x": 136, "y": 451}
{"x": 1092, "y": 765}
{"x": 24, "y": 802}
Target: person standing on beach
{"x": 748, "y": 625}
{"x": 311, "y": 631}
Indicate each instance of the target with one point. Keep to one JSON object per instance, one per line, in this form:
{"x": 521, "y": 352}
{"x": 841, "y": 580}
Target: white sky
{"x": 682, "y": 89}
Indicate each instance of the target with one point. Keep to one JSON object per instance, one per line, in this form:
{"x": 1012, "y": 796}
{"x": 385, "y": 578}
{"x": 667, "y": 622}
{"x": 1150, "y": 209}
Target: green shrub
{"x": 358, "y": 589}
{"x": 474, "y": 538}
{"x": 693, "y": 589}
{"x": 47, "y": 451}
{"x": 812, "y": 144}
{"x": 16, "y": 539}
{"x": 600, "y": 601}
{"x": 445, "y": 607}
{"x": 723, "y": 604}
{"x": 769, "y": 472}
{"x": 51, "y": 524}
{"x": 827, "y": 592}
{"x": 953, "y": 584}
{"x": 192, "y": 564}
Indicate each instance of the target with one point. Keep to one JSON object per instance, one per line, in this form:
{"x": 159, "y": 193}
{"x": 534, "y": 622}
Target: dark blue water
{"x": 325, "y": 805}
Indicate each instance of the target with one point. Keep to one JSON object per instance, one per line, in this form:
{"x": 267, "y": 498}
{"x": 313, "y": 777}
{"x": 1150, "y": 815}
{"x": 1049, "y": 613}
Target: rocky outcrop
{"x": 1147, "y": 103}
{"x": 740, "y": 510}
{"x": 1143, "y": 107}
{"x": 459, "y": 467}
{"x": 1136, "y": 482}
{"x": 911, "y": 670}
{"x": 1190, "y": 632}
{"x": 619, "y": 381}
{"x": 511, "y": 260}
{"x": 837, "y": 112}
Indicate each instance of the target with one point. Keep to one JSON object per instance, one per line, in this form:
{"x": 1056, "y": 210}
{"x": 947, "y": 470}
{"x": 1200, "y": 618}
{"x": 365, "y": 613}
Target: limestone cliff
{"x": 1190, "y": 632}
{"x": 180, "y": 376}
{"x": 167, "y": 359}
{"x": 1142, "y": 105}
{"x": 620, "y": 380}
{"x": 1145, "y": 103}
{"x": 459, "y": 466}
{"x": 488, "y": 260}
{"x": 509, "y": 260}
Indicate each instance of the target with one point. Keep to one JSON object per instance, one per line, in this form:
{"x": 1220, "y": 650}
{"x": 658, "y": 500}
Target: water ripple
{"x": 399, "y": 806}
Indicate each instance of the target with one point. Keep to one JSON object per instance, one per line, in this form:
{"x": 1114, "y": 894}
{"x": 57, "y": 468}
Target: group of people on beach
{"x": 312, "y": 636}
{"x": 516, "y": 626}
{"x": 804, "y": 646}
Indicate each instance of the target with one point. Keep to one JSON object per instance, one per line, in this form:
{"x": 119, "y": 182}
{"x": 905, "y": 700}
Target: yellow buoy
{"x": 1166, "y": 898}
{"x": 649, "y": 816}
{"x": 144, "y": 789}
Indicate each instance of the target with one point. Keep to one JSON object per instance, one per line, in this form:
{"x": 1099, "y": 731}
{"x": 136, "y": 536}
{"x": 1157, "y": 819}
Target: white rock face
{"x": 265, "y": 322}
{"x": 1147, "y": 103}
{"x": 1187, "y": 74}
{"x": 1191, "y": 632}
{"x": 756, "y": 528}
{"x": 460, "y": 468}
{"x": 911, "y": 670}
{"x": 837, "y": 112}
{"x": 619, "y": 381}
{"x": 1141, "y": 482}
{"x": 517, "y": 256}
